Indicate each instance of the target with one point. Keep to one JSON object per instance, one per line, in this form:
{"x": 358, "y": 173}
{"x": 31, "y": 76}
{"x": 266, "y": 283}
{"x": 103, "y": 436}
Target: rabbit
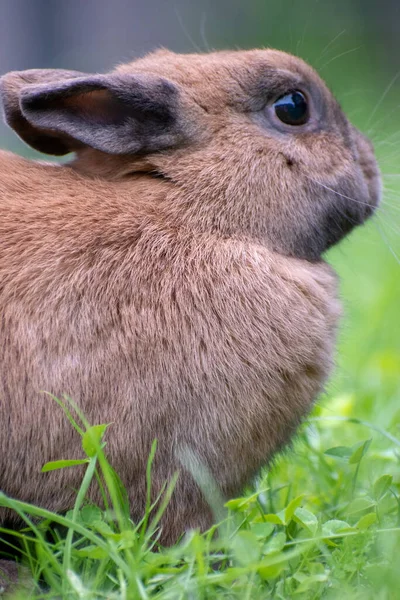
{"x": 170, "y": 277}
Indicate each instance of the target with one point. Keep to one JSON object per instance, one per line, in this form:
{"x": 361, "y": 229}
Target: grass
{"x": 323, "y": 522}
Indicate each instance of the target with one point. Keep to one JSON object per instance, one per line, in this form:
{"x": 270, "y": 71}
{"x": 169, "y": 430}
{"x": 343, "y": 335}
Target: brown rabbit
{"x": 169, "y": 279}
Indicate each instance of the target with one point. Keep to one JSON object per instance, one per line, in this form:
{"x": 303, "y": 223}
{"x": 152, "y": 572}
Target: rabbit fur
{"x": 169, "y": 278}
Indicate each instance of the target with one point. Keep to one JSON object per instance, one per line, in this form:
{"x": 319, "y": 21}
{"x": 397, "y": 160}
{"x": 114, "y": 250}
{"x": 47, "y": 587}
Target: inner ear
{"x": 97, "y": 107}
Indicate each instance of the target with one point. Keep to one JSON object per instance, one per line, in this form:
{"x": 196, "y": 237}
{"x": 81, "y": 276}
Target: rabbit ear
{"x": 11, "y": 86}
{"x": 115, "y": 113}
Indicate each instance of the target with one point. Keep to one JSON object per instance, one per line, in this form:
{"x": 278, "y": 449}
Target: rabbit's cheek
{"x": 307, "y": 229}
{"x": 345, "y": 207}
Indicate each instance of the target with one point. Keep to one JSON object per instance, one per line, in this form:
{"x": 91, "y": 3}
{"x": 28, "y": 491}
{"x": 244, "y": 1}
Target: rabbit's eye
{"x": 292, "y": 108}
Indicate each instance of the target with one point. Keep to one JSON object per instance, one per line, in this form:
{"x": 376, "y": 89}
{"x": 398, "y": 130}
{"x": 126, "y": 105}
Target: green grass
{"x": 323, "y": 522}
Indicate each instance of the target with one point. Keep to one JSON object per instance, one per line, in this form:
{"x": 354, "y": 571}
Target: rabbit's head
{"x": 247, "y": 143}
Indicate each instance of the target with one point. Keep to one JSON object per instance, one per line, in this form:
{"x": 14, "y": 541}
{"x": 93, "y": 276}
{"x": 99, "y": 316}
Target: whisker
{"x": 388, "y": 160}
{"x": 397, "y": 259}
{"x": 185, "y": 31}
{"x": 392, "y": 194}
{"x": 385, "y": 93}
{"x": 353, "y": 92}
{"x": 392, "y": 142}
{"x": 300, "y": 41}
{"x": 389, "y": 225}
{"x": 340, "y": 55}
{"x": 324, "y": 51}
{"x": 384, "y": 202}
{"x": 390, "y": 204}
{"x": 394, "y": 191}
{"x": 386, "y": 209}
{"x": 326, "y": 187}
{"x": 203, "y": 32}
{"x": 387, "y": 136}
{"x": 394, "y": 204}
{"x": 391, "y": 154}
{"x": 389, "y": 189}
{"x": 389, "y": 141}
{"x": 371, "y": 130}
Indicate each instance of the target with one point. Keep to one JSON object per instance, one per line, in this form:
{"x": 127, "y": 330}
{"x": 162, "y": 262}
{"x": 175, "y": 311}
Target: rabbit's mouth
{"x": 355, "y": 199}
{"x": 343, "y": 218}
{"x": 352, "y": 205}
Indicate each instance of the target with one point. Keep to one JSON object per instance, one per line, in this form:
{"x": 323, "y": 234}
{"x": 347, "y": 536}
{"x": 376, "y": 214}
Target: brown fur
{"x": 194, "y": 307}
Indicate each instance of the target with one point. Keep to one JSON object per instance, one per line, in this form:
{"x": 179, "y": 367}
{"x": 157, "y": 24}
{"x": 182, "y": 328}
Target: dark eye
{"x": 292, "y": 108}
